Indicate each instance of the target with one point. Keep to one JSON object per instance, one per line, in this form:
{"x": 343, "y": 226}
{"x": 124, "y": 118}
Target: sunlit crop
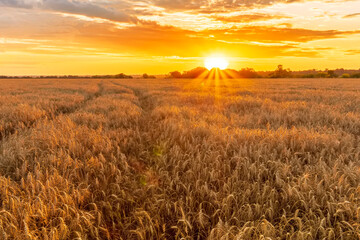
{"x": 177, "y": 159}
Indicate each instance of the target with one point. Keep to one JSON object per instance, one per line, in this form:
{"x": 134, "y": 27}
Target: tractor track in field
{"x": 146, "y": 102}
{"x": 7, "y": 132}
{"x": 82, "y": 104}
{"x": 147, "y": 126}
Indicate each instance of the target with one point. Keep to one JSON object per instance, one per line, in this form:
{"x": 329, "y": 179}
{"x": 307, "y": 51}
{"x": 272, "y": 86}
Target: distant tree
{"x": 355, "y": 75}
{"x": 311, "y": 75}
{"x": 146, "y": 76}
{"x": 331, "y": 74}
{"x": 248, "y": 73}
{"x": 280, "y": 72}
{"x": 322, "y": 75}
{"x": 232, "y": 74}
{"x": 122, "y": 75}
{"x": 345, "y": 75}
{"x": 175, "y": 74}
{"x": 194, "y": 73}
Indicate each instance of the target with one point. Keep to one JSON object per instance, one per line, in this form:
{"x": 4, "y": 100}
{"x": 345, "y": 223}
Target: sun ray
{"x": 225, "y": 80}
{"x": 217, "y": 84}
{"x": 230, "y": 74}
{"x": 214, "y": 78}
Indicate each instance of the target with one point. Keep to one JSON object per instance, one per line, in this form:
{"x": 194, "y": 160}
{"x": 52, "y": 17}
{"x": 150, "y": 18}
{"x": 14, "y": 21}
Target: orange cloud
{"x": 74, "y": 36}
{"x": 352, "y": 15}
{"x": 115, "y": 30}
{"x": 265, "y": 34}
{"x": 353, "y": 52}
{"x": 218, "y": 5}
{"x": 247, "y": 18}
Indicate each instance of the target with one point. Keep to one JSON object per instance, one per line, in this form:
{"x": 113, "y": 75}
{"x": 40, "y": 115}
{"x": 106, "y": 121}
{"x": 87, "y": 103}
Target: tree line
{"x": 279, "y": 72}
{"x": 116, "y": 76}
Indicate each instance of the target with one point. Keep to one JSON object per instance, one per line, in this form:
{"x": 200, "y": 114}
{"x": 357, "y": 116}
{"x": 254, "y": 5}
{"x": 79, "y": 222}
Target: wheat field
{"x": 180, "y": 159}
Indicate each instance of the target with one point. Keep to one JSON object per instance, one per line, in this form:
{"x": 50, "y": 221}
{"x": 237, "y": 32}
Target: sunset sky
{"x": 158, "y": 36}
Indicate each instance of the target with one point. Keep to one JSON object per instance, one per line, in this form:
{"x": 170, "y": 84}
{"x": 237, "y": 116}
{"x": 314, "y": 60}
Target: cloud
{"x": 247, "y": 18}
{"x": 276, "y": 34}
{"x": 17, "y": 3}
{"x": 145, "y": 39}
{"x": 352, "y": 15}
{"x": 353, "y": 52}
{"x": 85, "y": 8}
{"x": 211, "y": 5}
{"x": 66, "y": 34}
{"x": 180, "y": 4}
{"x": 152, "y": 39}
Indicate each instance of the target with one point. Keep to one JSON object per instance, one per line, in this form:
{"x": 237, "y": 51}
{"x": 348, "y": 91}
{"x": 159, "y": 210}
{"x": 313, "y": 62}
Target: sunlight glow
{"x": 216, "y": 62}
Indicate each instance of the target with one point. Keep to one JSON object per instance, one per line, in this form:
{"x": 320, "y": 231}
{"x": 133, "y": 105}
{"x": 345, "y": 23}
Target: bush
{"x": 146, "y": 76}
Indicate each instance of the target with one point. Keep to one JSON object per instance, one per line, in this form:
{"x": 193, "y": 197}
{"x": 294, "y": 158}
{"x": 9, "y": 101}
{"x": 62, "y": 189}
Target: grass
{"x": 180, "y": 159}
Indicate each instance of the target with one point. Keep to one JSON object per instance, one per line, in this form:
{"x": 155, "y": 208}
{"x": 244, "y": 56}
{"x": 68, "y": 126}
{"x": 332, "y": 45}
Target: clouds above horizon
{"x": 250, "y": 29}
{"x": 352, "y": 15}
{"x": 248, "y": 18}
{"x": 86, "y": 8}
{"x": 213, "y": 4}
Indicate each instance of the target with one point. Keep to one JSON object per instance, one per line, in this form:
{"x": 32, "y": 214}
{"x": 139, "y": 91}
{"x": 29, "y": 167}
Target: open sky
{"x": 158, "y": 36}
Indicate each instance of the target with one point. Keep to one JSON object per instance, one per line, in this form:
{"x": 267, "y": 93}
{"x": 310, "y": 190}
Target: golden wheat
{"x": 180, "y": 159}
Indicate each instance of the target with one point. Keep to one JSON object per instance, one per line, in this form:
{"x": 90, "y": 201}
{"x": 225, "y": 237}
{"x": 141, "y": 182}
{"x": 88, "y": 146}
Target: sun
{"x": 216, "y": 62}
